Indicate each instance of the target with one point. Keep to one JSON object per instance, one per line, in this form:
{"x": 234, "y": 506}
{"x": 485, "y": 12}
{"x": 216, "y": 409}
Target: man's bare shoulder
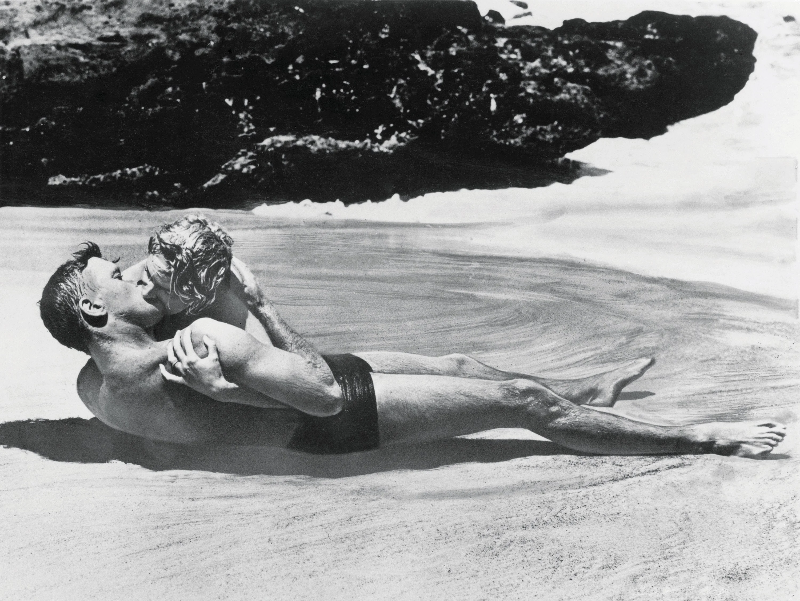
{"x": 105, "y": 397}
{"x": 109, "y": 401}
{"x": 90, "y": 381}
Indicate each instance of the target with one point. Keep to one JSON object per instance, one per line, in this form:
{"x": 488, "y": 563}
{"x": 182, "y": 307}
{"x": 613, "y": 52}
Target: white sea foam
{"x": 713, "y": 199}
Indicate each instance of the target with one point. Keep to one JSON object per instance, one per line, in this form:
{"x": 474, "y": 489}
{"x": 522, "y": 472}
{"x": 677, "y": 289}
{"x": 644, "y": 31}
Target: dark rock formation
{"x": 213, "y": 102}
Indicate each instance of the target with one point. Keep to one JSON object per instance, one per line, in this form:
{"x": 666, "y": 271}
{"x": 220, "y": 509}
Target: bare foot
{"x": 744, "y": 439}
{"x": 606, "y": 391}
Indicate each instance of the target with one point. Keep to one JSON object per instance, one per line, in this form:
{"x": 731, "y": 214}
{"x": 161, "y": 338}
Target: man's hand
{"x": 247, "y": 289}
{"x": 280, "y": 333}
{"x": 203, "y": 374}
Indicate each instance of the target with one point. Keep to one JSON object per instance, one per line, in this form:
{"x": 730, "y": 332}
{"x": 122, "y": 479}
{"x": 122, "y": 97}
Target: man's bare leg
{"x": 415, "y": 408}
{"x": 600, "y": 390}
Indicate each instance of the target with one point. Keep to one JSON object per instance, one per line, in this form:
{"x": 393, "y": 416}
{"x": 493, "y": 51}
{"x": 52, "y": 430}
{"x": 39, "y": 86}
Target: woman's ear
{"x": 93, "y": 313}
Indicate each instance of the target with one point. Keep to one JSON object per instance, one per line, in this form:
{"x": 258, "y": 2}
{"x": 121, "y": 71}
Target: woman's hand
{"x": 203, "y": 374}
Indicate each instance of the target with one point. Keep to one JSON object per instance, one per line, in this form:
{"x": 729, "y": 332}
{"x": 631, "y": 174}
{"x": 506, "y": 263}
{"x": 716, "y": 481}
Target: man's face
{"x": 119, "y": 297}
{"x": 154, "y": 282}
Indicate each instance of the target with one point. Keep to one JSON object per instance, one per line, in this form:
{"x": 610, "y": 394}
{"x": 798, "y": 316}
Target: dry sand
{"x": 92, "y": 514}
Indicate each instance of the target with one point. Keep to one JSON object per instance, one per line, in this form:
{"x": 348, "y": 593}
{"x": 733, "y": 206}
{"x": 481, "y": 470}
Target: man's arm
{"x": 280, "y": 333}
{"x": 245, "y": 396}
{"x": 204, "y": 375}
{"x": 286, "y": 377}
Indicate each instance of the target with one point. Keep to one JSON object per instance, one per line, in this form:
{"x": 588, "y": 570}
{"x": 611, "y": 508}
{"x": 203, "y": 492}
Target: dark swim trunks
{"x": 355, "y": 427}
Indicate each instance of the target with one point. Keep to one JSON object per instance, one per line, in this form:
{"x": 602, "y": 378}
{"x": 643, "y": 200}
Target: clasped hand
{"x": 203, "y": 374}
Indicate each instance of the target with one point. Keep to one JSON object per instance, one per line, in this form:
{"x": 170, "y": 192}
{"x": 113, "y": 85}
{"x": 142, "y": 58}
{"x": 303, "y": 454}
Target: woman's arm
{"x": 285, "y": 377}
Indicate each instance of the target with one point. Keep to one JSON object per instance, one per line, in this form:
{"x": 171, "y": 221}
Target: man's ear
{"x": 93, "y": 313}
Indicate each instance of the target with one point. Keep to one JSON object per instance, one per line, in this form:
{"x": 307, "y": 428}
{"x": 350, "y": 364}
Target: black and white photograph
{"x": 399, "y": 300}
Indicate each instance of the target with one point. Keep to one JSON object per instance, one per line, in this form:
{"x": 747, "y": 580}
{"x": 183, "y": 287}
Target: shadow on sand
{"x": 80, "y": 440}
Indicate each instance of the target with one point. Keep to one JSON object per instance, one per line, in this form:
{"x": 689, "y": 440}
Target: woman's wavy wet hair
{"x": 199, "y": 254}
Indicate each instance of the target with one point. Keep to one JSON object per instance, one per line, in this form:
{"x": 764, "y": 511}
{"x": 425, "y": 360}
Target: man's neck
{"x": 120, "y": 345}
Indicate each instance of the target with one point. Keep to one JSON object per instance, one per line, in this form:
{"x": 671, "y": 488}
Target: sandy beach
{"x": 94, "y": 514}
{"x": 682, "y": 247}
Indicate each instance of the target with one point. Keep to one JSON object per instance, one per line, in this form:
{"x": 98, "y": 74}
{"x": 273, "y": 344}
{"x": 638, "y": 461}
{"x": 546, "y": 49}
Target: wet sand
{"x": 93, "y": 514}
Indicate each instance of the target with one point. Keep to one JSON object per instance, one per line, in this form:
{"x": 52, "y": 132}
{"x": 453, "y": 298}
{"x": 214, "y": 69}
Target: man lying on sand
{"x": 243, "y": 376}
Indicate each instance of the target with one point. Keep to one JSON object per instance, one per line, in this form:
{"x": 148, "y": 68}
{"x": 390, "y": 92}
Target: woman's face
{"x": 156, "y": 277}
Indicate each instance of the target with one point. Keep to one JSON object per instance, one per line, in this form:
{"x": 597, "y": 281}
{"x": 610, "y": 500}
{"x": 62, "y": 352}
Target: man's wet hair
{"x": 199, "y": 253}
{"x": 60, "y": 303}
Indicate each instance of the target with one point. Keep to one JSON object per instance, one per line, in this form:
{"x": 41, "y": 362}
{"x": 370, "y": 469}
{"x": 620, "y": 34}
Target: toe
{"x": 763, "y": 449}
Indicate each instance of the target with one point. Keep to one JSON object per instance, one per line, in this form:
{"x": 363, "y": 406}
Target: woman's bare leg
{"x": 601, "y": 390}
{"x": 415, "y": 408}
